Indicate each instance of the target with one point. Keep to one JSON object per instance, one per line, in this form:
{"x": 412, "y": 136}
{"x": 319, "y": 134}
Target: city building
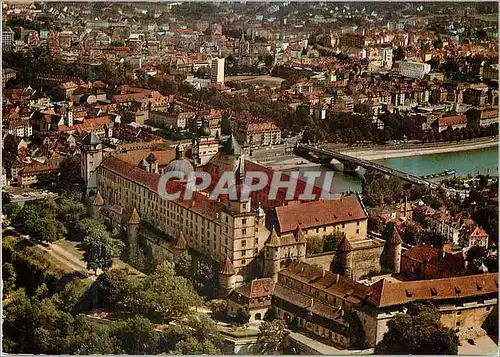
{"x": 217, "y": 70}
{"x": 258, "y": 134}
{"x": 7, "y": 38}
{"x": 414, "y": 69}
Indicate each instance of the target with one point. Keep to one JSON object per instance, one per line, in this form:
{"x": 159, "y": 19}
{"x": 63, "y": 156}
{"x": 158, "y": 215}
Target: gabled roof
{"x": 313, "y": 214}
{"x": 385, "y": 293}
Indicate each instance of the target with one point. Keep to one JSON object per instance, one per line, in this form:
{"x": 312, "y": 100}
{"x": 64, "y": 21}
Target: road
{"x": 66, "y": 257}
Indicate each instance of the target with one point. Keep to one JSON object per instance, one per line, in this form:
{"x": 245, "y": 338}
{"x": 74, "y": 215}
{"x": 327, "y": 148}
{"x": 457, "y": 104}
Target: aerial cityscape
{"x": 224, "y": 178}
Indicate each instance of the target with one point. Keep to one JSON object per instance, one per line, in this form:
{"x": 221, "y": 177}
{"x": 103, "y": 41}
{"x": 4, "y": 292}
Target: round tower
{"x": 227, "y": 277}
{"x": 96, "y": 206}
{"x": 132, "y": 229}
{"x": 393, "y": 245}
{"x": 272, "y": 256}
{"x": 180, "y": 248}
{"x": 343, "y": 259}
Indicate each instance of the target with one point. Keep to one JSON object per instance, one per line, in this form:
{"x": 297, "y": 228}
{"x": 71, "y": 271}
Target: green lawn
{"x": 75, "y": 249}
{"x": 237, "y": 332}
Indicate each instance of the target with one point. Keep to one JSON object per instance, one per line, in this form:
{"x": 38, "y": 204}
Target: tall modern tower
{"x": 217, "y": 70}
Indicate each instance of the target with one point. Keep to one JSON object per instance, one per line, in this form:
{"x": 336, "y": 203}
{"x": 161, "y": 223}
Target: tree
{"x": 167, "y": 296}
{"x": 492, "y": 264}
{"x": 18, "y": 323}
{"x": 9, "y": 278}
{"x": 332, "y": 241}
{"x": 272, "y": 337}
{"x": 136, "y": 336}
{"x": 38, "y": 220}
{"x": 314, "y": 245}
{"x": 199, "y": 271}
{"x": 475, "y": 258}
{"x": 93, "y": 338}
{"x": 419, "y": 331}
{"x": 70, "y": 211}
{"x": 96, "y": 253}
{"x": 191, "y": 346}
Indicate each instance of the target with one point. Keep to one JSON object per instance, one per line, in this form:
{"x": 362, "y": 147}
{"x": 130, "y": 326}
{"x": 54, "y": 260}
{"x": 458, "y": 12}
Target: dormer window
{"x": 409, "y": 293}
{"x": 434, "y": 292}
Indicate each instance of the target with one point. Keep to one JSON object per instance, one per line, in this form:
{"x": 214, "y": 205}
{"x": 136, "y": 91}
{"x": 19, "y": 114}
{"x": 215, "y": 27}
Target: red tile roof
{"x": 385, "y": 293}
{"x": 199, "y": 203}
{"x": 453, "y": 120}
{"x": 327, "y": 281}
{"x": 313, "y": 214}
{"x": 450, "y": 262}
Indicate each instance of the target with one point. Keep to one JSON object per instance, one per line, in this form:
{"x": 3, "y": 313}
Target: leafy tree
{"x": 199, "y": 271}
{"x": 492, "y": 264}
{"x": 272, "y": 337}
{"x": 314, "y": 245}
{"x": 93, "y": 338}
{"x": 218, "y": 308}
{"x": 96, "y": 253}
{"x": 475, "y": 257}
{"x": 136, "y": 336}
{"x": 38, "y": 220}
{"x": 9, "y": 278}
{"x": 18, "y": 323}
{"x": 191, "y": 346}
{"x": 419, "y": 331}
{"x": 332, "y": 241}
{"x": 70, "y": 211}
{"x": 411, "y": 234}
{"x": 112, "y": 286}
{"x": 168, "y": 295}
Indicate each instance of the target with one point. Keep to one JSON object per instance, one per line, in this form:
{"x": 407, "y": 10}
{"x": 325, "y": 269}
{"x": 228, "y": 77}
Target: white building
{"x": 386, "y": 57}
{"x": 414, "y": 69}
{"x": 217, "y": 70}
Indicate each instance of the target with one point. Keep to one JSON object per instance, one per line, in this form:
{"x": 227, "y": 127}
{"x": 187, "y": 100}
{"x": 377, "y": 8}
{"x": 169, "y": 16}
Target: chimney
{"x": 336, "y": 278}
{"x": 312, "y": 302}
{"x": 323, "y": 274}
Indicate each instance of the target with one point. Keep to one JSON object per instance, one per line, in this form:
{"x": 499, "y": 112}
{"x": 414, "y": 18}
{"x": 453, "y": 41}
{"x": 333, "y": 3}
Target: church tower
{"x": 272, "y": 256}
{"x": 90, "y": 160}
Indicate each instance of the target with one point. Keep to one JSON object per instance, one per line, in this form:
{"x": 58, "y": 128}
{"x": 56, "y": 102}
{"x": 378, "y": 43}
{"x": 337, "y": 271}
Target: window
{"x": 317, "y": 230}
{"x": 244, "y": 231}
{"x": 357, "y": 231}
{"x": 357, "y": 223}
{"x": 243, "y": 243}
{"x": 243, "y": 253}
{"x": 458, "y": 323}
{"x": 244, "y": 221}
{"x": 244, "y": 206}
{"x": 243, "y": 262}
{"x": 343, "y": 225}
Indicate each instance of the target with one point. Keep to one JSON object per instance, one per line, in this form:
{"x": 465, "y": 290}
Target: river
{"x": 483, "y": 161}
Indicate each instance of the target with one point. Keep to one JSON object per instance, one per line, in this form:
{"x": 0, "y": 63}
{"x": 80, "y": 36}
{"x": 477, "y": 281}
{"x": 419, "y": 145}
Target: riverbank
{"x": 381, "y": 154}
